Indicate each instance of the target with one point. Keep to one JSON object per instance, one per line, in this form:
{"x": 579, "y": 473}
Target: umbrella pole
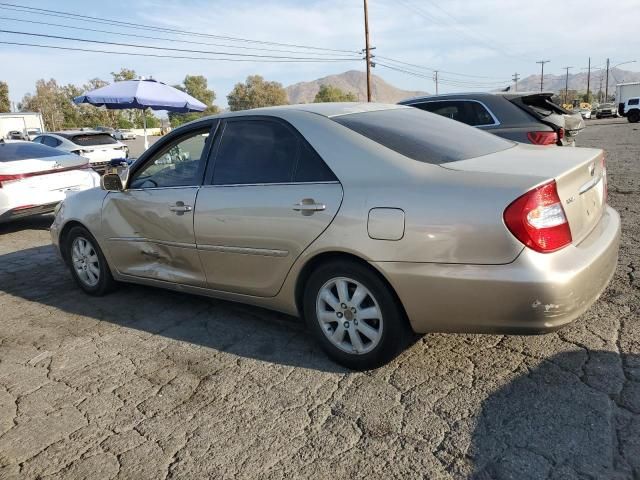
{"x": 144, "y": 123}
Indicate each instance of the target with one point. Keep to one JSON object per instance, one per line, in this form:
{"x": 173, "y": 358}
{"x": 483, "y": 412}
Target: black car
{"x": 522, "y": 117}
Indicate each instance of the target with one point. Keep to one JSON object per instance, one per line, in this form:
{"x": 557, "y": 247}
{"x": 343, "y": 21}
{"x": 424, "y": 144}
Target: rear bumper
{"x": 535, "y": 293}
{"x": 22, "y": 212}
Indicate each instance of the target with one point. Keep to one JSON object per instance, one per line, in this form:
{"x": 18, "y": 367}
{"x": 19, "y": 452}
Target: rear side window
{"x": 263, "y": 151}
{"x": 423, "y": 136}
{"x": 25, "y": 151}
{"x": 542, "y": 105}
{"x": 93, "y": 140}
{"x": 634, "y": 101}
{"x": 465, "y": 111}
{"x": 50, "y": 141}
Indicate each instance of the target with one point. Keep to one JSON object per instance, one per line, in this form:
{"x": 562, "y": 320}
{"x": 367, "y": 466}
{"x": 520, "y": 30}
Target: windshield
{"x": 93, "y": 140}
{"x": 423, "y": 136}
{"x": 26, "y": 151}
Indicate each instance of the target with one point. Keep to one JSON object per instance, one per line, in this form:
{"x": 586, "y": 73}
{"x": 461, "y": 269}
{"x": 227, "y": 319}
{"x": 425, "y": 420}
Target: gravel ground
{"x": 146, "y": 383}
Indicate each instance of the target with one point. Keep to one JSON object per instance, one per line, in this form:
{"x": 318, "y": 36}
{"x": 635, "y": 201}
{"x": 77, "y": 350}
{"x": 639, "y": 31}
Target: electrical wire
{"x": 137, "y": 35}
{"x": 152, "y": 47}
{"x": 55, "y": 47}
{"x": 138, "y": 26}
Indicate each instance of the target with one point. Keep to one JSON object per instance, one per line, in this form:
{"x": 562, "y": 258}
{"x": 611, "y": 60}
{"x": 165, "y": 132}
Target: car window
{"x": 38, "y": 139}
{"x": 180, "y": 164}
{"x": 26, "y": 151}
{"x": 93, "y": 140}
{"x": 465, "y": 111}
{"x": 255, "y": 151}
{"x": 423, "y": 136}
{"x": 634, "y": 101}
{"x": 50, "y": 141}
{"x": 310, "y": 167}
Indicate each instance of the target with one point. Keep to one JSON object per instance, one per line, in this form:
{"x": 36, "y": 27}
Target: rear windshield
{"x": 25, "y": 151}
{"x": 93, "y": 140}
{"x": 543, "y": 105}
{"x": 423, "y": 136}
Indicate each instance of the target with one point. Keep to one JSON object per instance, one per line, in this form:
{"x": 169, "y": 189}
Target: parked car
{"x": 368, "y": 220}
{"x": 35, "y": 178}
{"x": 631, "y": 110}
{"x": 585, "y": 112}
{"x": 124, "y": 134}
{"x": 606, "y": 110}
{"x": 111, "y": 131}
{"x": 16, "y": 135}
{"x": 522, "y": 117}
{"x": 100, "y": 148}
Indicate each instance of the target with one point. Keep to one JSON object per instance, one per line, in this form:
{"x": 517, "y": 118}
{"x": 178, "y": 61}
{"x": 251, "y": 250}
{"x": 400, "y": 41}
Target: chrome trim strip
{"x": 589, "y": 185}
{"x": 332, "y": 182}
{"x": 148, "y": 240}
{"x": 495, "y": 123}
{"x": 265, "y": 252}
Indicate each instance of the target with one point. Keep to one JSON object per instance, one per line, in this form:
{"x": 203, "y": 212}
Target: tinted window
{"x": 26, "y": 151}
{"x": 255, "y": 151}
{"x": 422, "y": 136}
{"x": 50, "y": 141}
{"x": 634, "y": 101}
{"x": 38, "y": 139}
{"x": 465, "y": 111}
{"x": 93, "y": 140}
{"x": 180, "y": 164}
{"x": 310, "y": 167}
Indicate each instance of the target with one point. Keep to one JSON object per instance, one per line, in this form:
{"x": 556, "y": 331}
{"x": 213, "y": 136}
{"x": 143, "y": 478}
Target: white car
{"x": 34, "y": 179}
{"x": 124, "y": 134}
{"x": 585, "y": 112}
{"x": 99, "y": 147}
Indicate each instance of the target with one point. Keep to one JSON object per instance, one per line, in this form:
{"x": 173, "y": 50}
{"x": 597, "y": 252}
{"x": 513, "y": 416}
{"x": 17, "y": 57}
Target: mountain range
{"x": 578, "y": 81}
{"x": 351, "y": 81}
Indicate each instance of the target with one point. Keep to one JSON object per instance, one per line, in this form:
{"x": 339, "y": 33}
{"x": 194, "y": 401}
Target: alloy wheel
{"x": 85, "y": 261}
{"x": 349, "y": 315}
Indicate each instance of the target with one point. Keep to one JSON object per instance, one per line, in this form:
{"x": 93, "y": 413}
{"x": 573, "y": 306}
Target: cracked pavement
{"x": 146, "y": 383}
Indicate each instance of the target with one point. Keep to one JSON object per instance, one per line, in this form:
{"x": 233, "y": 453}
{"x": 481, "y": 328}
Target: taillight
{"x": 9, "y": 178}
{"x": 561, "y": 133}
{"x": 543, "y": 138}
{"x": 537, "y": 219}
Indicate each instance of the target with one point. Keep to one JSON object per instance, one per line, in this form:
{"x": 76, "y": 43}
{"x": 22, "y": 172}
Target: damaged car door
{"x": 148, "y": 227}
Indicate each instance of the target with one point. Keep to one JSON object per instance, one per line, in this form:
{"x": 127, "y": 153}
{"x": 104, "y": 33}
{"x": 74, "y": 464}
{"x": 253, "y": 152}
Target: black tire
{"x": 395, "y": 331}
{"x": 598, "y": 117}
{"x": 105, "y": 282}
{"x": 633, "y": 116}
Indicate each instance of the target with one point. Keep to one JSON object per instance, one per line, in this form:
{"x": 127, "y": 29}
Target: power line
{"x": 137, "y": 35}
{"x": 444, "y": 81}
{"x": 58, "y": 13}
{"x": 135, "y": 54}
{"x": 422, "y": 67}
{"x": 152, "y": 47}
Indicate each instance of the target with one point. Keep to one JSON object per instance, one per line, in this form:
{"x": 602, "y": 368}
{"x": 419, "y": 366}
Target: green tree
{"x": 256, "y": 92}
{"x": 124, "y": 74}
{"x": 197, "y": 87}
{"x": 329, "y": 93}
{"x": 5, "y": 104}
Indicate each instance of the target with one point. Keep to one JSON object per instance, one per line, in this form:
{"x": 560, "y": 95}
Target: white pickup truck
{"x": 631, "y": 109}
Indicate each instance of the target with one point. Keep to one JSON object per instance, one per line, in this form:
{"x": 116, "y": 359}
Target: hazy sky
{"x": 488, "y": 38}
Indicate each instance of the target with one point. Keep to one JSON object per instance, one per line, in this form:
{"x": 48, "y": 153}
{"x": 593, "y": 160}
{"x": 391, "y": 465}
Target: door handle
{"x": 180, "y": 208}
{"x": 308, "y": 205}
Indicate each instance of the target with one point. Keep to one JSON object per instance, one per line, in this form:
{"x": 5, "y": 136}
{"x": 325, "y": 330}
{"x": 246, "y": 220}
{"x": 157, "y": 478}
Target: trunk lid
{"x": 579, "y": 174}
{"x": 542, "y": 108}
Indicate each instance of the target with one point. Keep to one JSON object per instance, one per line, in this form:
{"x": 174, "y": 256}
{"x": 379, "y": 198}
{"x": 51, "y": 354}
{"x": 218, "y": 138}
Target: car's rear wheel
{"x": 633, "y": 116}
{"x": 88, "y": 266}
{"x": 354, "y": 316}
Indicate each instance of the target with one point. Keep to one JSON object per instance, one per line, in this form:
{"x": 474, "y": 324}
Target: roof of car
{"x": 73, "y": 133}
{"x": 508, "y": 95}
{"x": 330, "y": 109}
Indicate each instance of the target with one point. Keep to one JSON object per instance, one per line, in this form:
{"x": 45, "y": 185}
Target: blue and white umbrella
{"x": 141, "y": 94}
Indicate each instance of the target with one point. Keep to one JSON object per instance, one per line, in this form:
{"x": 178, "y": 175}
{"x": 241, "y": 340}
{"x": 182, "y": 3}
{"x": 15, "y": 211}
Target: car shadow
{"x": 36, "y": 274}
{"x": 575, "y": 416}
{"x": 36, "y": 222}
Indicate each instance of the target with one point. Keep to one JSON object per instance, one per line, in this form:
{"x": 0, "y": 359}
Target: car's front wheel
{"x": 633, "y": 116}
{"x": 354, "y": 315}
{"x": 87, "y": 263}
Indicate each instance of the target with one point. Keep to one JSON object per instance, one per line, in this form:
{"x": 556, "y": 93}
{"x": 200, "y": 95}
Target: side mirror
{"x": 111, "y": 182}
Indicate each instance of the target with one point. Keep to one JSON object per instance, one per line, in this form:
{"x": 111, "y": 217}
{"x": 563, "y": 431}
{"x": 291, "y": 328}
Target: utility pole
{"x": 566, "y": 84}
{"x": 516, "y": 77}
{"x": 606, "y": 85}
{"x": 435, "y": 79}
{"x": 589, "y": 81}
{"x": 542, "y": 62}
{"x": 367, "y": 49}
